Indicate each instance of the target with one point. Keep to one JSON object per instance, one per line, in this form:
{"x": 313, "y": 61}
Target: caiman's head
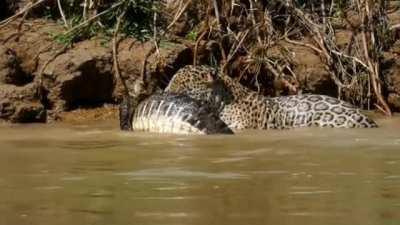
{"x": 126, "y": 109}
{"x": 130, "y": 102}
{"x": 202, "y": 83}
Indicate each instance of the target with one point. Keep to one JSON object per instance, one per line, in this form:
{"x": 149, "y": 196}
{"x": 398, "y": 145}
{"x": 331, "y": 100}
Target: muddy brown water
{"x": 94, "y": 174}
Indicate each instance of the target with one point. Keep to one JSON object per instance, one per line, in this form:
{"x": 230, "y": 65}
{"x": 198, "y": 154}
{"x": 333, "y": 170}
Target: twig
{"x": 203, "y": 32}
{"x": 324, "y": 23}
{"x": 277, "y": 74}
{"x": 243, "y": 72}
{"x": 332, "y": 7}
{"x": 49, "y": 60}
{"x": 60, "y": 9}
{"x": 380, "y": 108}
{"x": 42, "y": 50}
{"x": 178, "y": 15}
{"x": 217, "y": 14}
{"x": 21, "y": 23}
{"x": 85, "y": 10}
{"x": 313, "y": 47}
{"x": 84, "y": 23}
{"x": 197, "y": 46}
{"x": 143, "y": 73}
{"x": 155, "y": 40}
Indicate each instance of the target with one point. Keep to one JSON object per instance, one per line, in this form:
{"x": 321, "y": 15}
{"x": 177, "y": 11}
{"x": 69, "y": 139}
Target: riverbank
{"x": 42, "y": 80}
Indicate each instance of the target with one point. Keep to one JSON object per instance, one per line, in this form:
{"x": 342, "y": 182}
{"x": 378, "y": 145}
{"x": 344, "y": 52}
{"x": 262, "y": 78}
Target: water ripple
{"x": 48, "y": 188}
{"x": 227, "y": 160}
{"x": 176, "y": 172}
{"x": 310, "y": 192}
{"x": 392, "y": 177}
{"x": 73, "y": 178}
{"x": 89, "y": 144}
{"x": 92, "y": 211}
{"x": 166, "y": 214}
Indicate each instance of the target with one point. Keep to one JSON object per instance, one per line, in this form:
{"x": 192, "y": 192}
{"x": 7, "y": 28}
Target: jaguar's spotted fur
{"x": 246, "y": 109}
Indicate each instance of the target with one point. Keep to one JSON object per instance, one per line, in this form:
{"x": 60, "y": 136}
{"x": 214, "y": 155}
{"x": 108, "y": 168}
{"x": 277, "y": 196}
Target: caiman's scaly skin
{"x": 246, "y": 109}
{"x": 171, "y": 113}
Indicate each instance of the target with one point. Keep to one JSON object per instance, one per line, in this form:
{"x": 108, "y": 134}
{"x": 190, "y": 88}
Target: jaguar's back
{"x": 316, "y": 110}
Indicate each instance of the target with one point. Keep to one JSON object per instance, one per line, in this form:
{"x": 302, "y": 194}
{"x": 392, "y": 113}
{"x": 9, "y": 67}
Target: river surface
{"x": 94, "y": 174}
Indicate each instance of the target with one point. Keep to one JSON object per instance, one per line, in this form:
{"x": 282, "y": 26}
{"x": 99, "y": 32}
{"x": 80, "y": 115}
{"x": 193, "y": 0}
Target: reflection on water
{"x": 95, "y": 174}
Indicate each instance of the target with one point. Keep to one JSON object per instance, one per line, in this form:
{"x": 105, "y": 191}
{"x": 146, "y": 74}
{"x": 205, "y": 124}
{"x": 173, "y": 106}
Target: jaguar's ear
{"x": 210, "y": 77}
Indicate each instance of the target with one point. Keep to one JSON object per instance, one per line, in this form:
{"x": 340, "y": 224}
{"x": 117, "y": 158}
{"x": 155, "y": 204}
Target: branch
{"x": 395, "y": 26}
{"x": 233, "y": 53}
{"x": 45, "y": 64}
{"x": 28, "y": 7}
{"x": 373, "y": 65}
{"x": 143, "y": 75}
{"x": 253, "y": 19}
{"x": 115, "y": 53}
{"x": 196, "y": 47}
{"x": 62, "y": 14}
{"x": 313, "y": 47}
{"x": 351, "y": 57}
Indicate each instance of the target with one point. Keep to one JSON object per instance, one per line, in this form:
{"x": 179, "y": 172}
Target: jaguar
{"x": 242, "y": 108}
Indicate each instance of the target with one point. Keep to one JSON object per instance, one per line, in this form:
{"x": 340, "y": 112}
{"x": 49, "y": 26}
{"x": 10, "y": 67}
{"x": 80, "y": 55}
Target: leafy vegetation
{"x": 86, "y": 19}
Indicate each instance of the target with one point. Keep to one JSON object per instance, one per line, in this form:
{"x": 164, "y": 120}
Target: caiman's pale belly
{"x": 177, "y": 114}
{"x": 164, "y": 124}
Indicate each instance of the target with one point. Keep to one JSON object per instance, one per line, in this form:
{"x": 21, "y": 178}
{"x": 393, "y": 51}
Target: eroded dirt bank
{"x": 39, "y": 79}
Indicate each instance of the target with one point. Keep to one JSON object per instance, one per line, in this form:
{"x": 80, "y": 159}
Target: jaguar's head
{"x": 202, "y": 83}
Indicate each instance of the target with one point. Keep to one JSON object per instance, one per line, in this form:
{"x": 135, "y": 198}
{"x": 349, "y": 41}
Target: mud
{"x": 40, "y": 78}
